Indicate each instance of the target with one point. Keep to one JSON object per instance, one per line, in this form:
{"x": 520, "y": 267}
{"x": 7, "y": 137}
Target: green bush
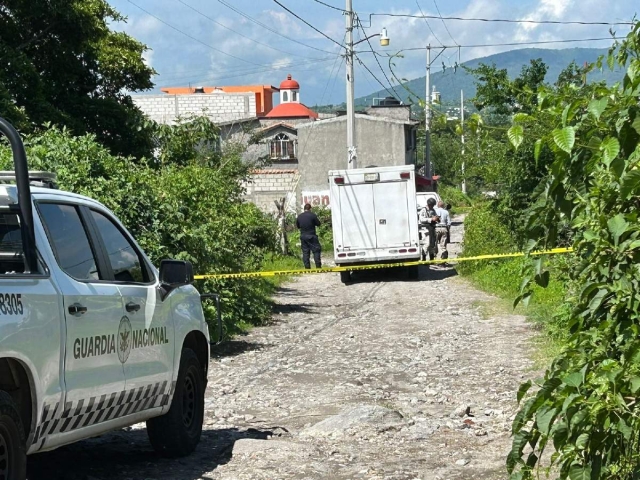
{"x": 485, "y": 234}
{"x": 454, "y": 196}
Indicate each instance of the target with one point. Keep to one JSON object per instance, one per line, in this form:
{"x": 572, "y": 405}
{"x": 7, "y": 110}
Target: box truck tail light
{"x": 339, "y": 180}
{"x": 342, "y": 255}
{"x": 402, "y": 250}
{"x": 393, "y": 251}
{"x": 351, "y": 254}
{"x": 405, "y": 175}
{"x": 413, "y": 250}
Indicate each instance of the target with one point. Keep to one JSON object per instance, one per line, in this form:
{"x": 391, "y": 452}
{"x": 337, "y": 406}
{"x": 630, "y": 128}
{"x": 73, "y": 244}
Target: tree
{"x": 571, "y": 75}
{"x": 503, "y": 96}
{"x": 61, "y": 63}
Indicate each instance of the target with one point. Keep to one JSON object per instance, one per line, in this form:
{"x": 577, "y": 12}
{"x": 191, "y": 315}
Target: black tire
{"x": 413, "y": 272}
{"x": 13, "y": 453}
{"x": 177, "y": 432}
{"x": 345, "y": 277}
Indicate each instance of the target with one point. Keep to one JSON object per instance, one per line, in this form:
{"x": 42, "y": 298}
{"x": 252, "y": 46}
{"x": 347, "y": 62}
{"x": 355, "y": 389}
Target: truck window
{"x": 11, "y": 259}
{"x": 69, "y": 240}
{"x": 124, "y": 258}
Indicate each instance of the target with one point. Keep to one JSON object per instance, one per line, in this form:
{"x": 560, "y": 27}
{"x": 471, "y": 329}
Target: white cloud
{"x": 181, "y": 60}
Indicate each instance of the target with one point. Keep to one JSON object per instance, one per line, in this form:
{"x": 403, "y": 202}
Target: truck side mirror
{"x": 175, "y": 273}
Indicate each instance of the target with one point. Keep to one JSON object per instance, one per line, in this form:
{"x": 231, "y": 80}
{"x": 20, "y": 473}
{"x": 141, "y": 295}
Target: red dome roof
{"x": 289, "y": 110}
{"x": 289, "y": 84}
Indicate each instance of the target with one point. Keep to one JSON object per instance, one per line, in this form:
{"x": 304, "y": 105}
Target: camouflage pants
{"x": 441, "y": 240}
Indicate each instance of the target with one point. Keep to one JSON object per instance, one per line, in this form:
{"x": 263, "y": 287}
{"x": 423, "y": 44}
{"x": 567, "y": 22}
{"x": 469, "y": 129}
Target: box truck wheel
{"x": 345, "y": 277}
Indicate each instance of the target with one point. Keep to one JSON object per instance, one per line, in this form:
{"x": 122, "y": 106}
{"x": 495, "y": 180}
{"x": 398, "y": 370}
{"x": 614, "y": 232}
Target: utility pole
{"x": 427, "y": 118}
{"x": 464, "y": 181}
{"x": 351, "y": 117}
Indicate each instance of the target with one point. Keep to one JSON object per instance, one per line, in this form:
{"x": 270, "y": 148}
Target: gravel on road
{"x": 385, "y": 378}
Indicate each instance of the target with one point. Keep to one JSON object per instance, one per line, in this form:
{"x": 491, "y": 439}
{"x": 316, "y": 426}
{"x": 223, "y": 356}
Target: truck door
{"x": 93, "y": 373}
{"x": 149, "y": 363}
{"x": 357, "y": 216}
{"x": 391, "y": 214}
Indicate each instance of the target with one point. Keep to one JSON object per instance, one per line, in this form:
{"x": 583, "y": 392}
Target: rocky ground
{"x": 385, "y": 378}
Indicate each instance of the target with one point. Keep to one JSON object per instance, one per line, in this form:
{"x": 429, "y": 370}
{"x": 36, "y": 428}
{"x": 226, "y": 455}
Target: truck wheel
{"x": 177, "y": 432}
{"x": 345, "y": 277}
{"x": 13, "y": 454}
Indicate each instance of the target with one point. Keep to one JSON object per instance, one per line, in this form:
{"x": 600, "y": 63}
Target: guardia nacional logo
{"x": 124, "y": 339}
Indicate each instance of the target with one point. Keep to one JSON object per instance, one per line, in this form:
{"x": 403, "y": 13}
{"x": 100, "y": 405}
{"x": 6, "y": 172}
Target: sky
{"x": 207, "y": 43}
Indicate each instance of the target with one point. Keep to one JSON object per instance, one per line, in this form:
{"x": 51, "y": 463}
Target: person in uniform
{"x": 307, "y": 222}
{"x": 442, "y": 229}
{"x": 429, "y": 217}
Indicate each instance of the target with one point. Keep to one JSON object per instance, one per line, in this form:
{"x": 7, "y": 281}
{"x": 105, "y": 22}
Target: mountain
{"x": 449, "y": 83}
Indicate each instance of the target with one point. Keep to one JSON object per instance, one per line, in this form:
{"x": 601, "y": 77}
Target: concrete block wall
{"x": 266, "y": 186}
{"x": 219, "y": 107}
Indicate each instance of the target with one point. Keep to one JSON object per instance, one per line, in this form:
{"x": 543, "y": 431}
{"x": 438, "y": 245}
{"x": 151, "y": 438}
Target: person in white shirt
{"x": 442, "y": 229}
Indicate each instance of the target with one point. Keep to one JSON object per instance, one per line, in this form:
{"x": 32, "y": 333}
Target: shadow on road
{"x": 401, "y": 274}
{"x": 231, "y": 348}
{"x": 128, "y": 454}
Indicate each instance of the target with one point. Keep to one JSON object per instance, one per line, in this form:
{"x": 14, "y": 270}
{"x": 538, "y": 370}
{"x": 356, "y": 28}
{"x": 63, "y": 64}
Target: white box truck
{"x": 373, "y": 216}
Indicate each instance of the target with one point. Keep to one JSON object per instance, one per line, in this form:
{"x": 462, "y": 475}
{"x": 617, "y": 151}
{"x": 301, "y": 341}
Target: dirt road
{"x": 382, "y": 379}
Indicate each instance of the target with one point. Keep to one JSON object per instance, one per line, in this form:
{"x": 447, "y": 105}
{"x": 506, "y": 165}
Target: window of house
{"x": 285, "y": 96}
{"x": 283, "y": 148}
{"x": 294, "y": 96}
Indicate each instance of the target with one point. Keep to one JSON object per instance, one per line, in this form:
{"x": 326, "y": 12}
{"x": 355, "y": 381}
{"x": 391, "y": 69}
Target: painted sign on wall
{"x": 316, "y": 199}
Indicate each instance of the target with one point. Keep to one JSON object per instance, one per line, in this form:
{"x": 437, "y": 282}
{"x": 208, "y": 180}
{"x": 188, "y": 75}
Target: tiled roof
{"x": 291, "y": 110}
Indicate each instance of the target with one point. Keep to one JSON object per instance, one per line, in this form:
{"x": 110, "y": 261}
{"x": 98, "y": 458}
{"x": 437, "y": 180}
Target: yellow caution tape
{"x": 277, "y": 273}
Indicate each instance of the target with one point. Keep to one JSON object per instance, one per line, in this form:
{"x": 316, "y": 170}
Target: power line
{"x": 194, "y": 38}
{"x": 331, "y": 6}
{"x": 373, "y": 75}
{"x": 511, "y": 44}
{"x": 503, "y": 20}
{"x": 377, "y": 60}
{"x": 235, "y": 31}
{"x": 427, "y": 22}
{"x": 257, "y": 72}
{"x": 257, "y": 22}
{"x": 309, "y": 25}
{"x": 443, "y": 23}
{"x": 176, "y": 75}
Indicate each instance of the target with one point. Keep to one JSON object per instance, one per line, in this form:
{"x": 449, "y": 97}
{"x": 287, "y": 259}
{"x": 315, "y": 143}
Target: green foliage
{"x": 189, "y": 209}
{"x": 586, "y": 407}
{"x": 454, "y": 196}
{"x": 485, "y": 234}
{"x": 503, "y": 96}
{"x": 61, "y": 63}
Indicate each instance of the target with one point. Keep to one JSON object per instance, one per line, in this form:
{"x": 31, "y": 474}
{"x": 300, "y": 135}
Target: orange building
{"x": 263, "y": 93}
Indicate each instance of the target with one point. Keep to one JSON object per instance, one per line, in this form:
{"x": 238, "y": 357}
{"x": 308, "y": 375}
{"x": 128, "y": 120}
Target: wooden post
{"x": 282, "y": 239}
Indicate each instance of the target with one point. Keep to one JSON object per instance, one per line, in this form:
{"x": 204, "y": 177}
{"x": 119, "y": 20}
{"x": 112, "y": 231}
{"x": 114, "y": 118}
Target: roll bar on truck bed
{"x": 24, "y": 195}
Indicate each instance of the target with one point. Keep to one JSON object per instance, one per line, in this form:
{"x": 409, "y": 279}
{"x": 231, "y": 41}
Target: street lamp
{"x": 384, "y": 38}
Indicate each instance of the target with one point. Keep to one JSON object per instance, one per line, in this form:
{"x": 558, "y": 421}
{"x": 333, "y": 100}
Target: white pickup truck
{"x": 92, "y": 336}
{"x": 373, "y": 217}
